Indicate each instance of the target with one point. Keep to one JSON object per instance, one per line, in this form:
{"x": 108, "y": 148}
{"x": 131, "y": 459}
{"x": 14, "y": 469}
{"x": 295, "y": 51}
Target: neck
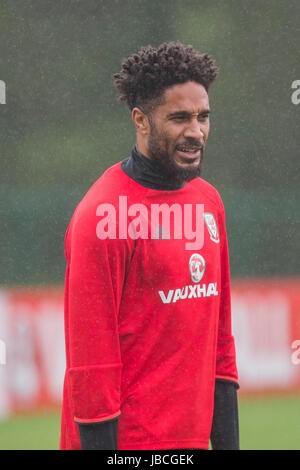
{"x": 148, "y": 173}
{"x": 142, "y": 148}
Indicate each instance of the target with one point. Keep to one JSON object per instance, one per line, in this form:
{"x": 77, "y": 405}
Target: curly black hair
{"x": 145, "y": 76}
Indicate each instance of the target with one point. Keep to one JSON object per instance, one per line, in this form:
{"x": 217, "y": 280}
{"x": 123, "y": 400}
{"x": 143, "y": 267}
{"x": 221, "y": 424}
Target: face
{"x": 179, "y": 128}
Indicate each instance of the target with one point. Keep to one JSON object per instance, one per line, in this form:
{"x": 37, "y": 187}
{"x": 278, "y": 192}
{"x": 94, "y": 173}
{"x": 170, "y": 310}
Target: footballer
{"x": 151, "y": 360}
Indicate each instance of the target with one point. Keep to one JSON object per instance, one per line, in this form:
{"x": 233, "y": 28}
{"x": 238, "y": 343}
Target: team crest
{"x": 197, "y": 267}
{"x": 212, "y": 227}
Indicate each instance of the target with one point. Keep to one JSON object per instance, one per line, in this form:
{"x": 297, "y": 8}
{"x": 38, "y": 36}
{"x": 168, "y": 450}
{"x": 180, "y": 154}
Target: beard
{"x": 158, "y": 150}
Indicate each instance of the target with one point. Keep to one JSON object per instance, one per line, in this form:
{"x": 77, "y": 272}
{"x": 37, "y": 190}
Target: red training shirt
{"x": 147, "y": 321}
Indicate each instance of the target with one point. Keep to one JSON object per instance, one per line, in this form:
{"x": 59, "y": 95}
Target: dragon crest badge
{"x": 212, "y": 227}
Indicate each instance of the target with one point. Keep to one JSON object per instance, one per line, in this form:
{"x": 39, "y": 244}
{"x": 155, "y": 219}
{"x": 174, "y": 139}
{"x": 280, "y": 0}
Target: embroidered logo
{"x": 212, "y": 227}
{"x": 197, "y": 267}
{"x": 161, "y": 234}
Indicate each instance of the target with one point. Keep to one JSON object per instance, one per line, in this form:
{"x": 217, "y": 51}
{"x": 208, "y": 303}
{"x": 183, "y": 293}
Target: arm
{"x": 225, "y": 425}
{"x": 96, "y": 271}
{"x": 99, "y": 436}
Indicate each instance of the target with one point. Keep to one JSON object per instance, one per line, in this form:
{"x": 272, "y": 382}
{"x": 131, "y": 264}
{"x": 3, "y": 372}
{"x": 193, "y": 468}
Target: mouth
{"x": 189, "y": 153}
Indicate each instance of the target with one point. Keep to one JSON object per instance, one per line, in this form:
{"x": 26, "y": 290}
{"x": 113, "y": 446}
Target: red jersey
{"x": 147, "y": 318}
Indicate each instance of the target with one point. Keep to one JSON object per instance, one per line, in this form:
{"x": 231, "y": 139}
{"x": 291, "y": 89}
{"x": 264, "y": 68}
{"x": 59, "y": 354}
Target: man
{"x": 150, "y": 354}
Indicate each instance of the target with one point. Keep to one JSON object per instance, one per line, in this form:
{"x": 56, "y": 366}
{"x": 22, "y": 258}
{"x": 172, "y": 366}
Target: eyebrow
{"x": 187, "y": 114}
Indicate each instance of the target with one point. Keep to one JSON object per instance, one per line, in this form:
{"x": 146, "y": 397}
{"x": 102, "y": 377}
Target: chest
{"x": 179, "y": 250}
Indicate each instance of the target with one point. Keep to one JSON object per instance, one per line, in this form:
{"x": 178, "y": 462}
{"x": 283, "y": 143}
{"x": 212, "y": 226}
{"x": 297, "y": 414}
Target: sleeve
{"x": 96, "y": 272}
{"x": 225, "y": 424}
{"x": 99, "y": 436}
{"x": 226, "y": 354}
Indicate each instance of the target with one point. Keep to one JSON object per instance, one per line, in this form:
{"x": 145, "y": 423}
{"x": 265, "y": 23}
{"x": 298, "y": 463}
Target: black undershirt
{"x": 147, "y": 173}
{"x": 225, "y": 424}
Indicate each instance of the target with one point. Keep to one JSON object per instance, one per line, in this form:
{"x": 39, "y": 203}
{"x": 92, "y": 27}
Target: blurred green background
{"x": 62, "y": 126}
{"x": 266, "y": 423}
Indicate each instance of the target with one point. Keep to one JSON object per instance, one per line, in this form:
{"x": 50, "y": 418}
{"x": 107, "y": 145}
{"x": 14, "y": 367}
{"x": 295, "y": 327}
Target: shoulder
{"x": 103, "y": 190}
{"x": 107, "y": 186}
{"x": 208, "y": 192}
{"x": 101, "y": 198}
{"x": 106, "y": 189}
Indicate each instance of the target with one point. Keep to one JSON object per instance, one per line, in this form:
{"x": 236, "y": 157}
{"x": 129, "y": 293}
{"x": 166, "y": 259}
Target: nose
{"x": 194, "y": 131}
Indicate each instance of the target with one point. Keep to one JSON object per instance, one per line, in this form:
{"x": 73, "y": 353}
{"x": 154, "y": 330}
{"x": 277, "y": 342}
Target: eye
{"x": 203, "y": 117}
{"x": 179, "y": 118}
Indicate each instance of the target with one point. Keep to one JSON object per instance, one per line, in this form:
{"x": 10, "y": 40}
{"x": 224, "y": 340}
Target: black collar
{"x": 147, "y": 173}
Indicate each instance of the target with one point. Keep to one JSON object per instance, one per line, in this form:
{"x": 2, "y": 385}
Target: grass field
{"x": 265, "y": 423}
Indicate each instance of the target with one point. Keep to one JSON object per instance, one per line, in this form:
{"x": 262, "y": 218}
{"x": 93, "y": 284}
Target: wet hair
{"x": 145, "y": 76}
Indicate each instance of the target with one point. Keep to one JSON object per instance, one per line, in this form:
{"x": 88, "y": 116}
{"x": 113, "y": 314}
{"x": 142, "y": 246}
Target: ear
{"x": 140, "y": 121}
